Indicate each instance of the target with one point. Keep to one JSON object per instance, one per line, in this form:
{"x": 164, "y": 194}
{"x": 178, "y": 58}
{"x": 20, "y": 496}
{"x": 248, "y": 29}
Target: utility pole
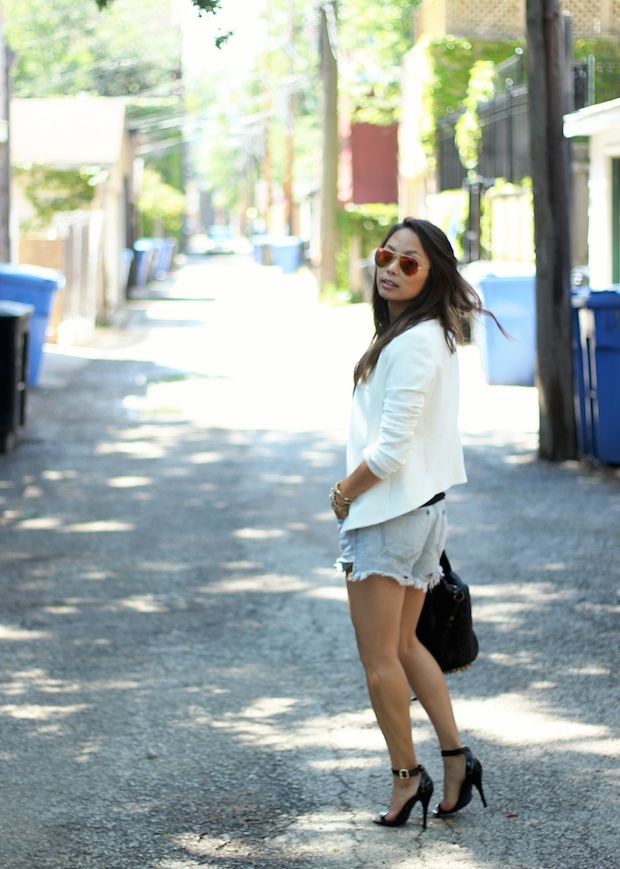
{"x": 289, "y": 157}
{"x": 5, "y": 159}
{"x": 552, "y": 183}
{"x": 266, "y": 169}
{"x": 329, "y": 123}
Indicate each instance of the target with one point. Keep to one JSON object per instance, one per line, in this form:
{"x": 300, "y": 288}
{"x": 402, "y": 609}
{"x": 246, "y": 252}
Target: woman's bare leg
{"x": 376, "y": 605}
{"x": 429, "y": 686}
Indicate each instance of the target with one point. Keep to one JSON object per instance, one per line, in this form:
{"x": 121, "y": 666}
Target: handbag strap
{"x": 457, "y": 595}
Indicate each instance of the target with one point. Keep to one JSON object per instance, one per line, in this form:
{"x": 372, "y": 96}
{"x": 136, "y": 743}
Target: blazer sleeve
{"x": 411, "y": 367}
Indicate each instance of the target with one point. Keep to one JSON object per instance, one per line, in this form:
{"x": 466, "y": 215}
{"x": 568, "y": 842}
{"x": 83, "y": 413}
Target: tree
{"x": 374, "y": 37}
{"x": 371, "y": 83}
{"x": 551, "y": 183}
{"x": 63, "y": 49}
{"x": 329, "y": 125}
{"x": 204, "y": 6}
{"x": 370, "y": 55}
{"x": 260, "y": 137}
{"x": 161, "y": 206}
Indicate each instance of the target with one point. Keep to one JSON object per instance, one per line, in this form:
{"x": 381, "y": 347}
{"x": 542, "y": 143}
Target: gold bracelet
{"x": 336, "y": 493}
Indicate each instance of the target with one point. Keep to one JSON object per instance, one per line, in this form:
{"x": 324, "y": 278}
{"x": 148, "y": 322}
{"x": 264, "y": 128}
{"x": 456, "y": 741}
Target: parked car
{"x": 220, "y": 239}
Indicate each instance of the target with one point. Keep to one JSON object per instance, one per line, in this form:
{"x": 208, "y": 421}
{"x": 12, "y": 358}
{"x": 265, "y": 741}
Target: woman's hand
{"x": 340, "y": 504}
{"x": 343, "y": 494}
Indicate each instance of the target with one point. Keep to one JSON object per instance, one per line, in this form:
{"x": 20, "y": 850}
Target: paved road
{"x": 180, "y": 686}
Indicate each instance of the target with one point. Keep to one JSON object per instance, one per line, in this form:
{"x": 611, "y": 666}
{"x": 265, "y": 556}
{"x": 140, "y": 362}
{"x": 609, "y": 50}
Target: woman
{"x": 403, "y": 454}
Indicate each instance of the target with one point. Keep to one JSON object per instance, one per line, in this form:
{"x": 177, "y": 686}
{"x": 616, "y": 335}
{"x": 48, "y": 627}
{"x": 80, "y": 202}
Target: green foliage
{"x": 64, "y": 48}
{"x": 467, "y": 131}
{"x": 604, "y": 48}
{"x": 450, "y": 61}
{"x": 152, "y": 118}
{"x": 250, "y": 119}
{"x": 606, "y": 54}
{"x": 368, "y": 223}
{"x": 51, "y": 190}
{"x": 222, "y": 168}
{"x": 450, "y": 210}
{"x": 161, "y": 207}
{"x": 374, "y": 37}
{"x": 203, "y": 6}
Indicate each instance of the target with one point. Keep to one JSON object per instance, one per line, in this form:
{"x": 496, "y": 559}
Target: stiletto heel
{"x": 473, "y": 778}
{"x": 423, "y": 794}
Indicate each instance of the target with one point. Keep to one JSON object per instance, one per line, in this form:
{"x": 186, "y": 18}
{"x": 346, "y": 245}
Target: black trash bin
{"x": 14, "y": 348}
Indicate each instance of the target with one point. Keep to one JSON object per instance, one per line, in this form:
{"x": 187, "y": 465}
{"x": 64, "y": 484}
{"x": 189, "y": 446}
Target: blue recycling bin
{"x": 162, "y": 253}
{"x": 262, "y": 249}
{"x": 508, "y": 290}
{"x": 144, "y": 253}
{"x": 36, "y": 286}
{"x": 156, "y": 245}
{"x": 287, "y": 253}
{"x": 596, "y": 356}
{"x": 166, "y": 257}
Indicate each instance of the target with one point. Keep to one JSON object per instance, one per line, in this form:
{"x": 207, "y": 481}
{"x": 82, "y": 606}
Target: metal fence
{"x": 504, "y": 146}
{"x": 504, "y": 121}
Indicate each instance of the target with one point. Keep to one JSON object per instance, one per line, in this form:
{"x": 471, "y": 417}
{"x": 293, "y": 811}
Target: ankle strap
{"x": 408, "y": 773}
{"x": 454, "y": 751}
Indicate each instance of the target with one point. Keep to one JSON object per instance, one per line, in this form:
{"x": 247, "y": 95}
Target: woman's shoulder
{"x": 426, "y": 333}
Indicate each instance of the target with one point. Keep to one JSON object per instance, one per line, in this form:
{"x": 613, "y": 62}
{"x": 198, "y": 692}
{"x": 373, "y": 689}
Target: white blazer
{"x": 404, "y": 423}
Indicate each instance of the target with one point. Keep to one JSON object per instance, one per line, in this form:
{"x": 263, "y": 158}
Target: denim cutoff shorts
{"x": 406, "y": 548}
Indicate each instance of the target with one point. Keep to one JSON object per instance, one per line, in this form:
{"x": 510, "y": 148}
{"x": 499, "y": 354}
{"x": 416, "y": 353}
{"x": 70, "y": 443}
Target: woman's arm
{"x": 347, "y": 490}
{"x": 410, "y": 370}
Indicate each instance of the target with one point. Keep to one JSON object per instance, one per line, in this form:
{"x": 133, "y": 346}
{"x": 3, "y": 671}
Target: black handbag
{"x": 445, "y": 625}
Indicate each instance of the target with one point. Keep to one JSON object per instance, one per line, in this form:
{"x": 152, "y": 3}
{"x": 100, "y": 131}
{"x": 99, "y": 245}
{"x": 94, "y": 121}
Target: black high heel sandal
{"x": 473, "y": 778}
{"x": 423, "y": 794}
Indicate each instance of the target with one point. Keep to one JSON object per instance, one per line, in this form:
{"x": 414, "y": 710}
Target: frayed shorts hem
{"x": 406, "y": 548}
{"x": 424, "y": 583}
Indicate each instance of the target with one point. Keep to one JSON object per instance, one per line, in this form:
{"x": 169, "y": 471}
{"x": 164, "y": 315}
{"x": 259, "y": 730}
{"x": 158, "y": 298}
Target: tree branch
{"x": 203, "y": 6}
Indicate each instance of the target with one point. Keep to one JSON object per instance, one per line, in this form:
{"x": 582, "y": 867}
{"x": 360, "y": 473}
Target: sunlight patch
{"x": 267, "y": 707}
{"x": 101, "y": 526}
{"x": 284, "y": 479}
{"x": 258, "y": 533}
{"x": 12, "y": 633}
{"x": 59, "y": 475}
{"x": 590, "y": 670}
{"x": 326, "y": 592}
{"x": 42, "y": 524}
{"x": 140, "y": 449}
{"x": 509, "y": 719}
{"x": 96, "y": 574}
{"x": 276, "y": 583}
{"x": 206, "y": 458}
{"x": 129, "y": 482}
{"x": 34, "y": 712}
{"x": 60, "y": 610}
{"x": 143, "y": 604}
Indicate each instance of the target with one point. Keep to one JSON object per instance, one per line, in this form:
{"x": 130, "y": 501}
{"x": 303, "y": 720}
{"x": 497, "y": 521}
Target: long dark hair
{"x": 446, "y": 297}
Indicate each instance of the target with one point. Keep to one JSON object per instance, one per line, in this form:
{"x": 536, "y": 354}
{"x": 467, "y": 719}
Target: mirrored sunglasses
{"x": 408, "y": 264}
